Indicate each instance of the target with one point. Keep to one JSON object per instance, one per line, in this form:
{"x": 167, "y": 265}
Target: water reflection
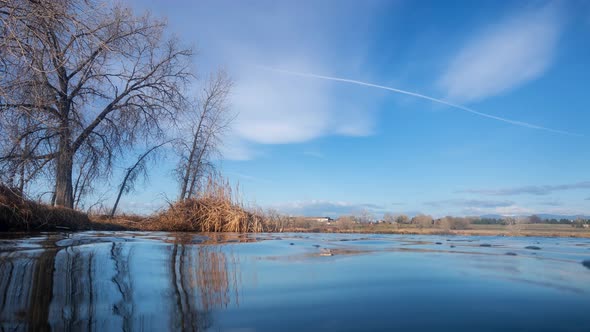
{"x": 135, "y": 281}
{"x": 202, "y": 278}
{"x": 105, "y": 286}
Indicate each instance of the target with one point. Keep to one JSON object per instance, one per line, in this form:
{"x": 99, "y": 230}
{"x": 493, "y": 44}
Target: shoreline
{"x": 145, "y": 225}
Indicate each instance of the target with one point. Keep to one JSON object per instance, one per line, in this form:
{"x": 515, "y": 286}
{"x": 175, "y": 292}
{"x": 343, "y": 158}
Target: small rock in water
{"x": 291, "y": 244}
{"x": 533, "y": 247}
{"x": 439, "y": 243}
{"x": 452, "y": 246}
{"x": 485, "y": 245}
{"x": 326, "y": 252}
{"x": 316, "y": 245}
{"x": 511, "y": 254}
{"x": 586, "y": 263}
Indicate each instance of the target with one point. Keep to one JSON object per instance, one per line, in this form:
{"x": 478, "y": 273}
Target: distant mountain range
{"x": 541, "y": 215}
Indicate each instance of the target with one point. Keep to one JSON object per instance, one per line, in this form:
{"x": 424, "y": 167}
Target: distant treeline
{"x": 531, "y": 219}
{"x": 450, "y": 222}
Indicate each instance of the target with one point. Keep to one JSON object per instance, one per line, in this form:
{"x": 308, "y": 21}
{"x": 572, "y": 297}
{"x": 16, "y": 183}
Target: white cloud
{"x": 504, "y": 56}
{"x": 274, "y": 108}
{"x": 470, "y": 203}
{"x": 279, "y": 109}
{"x": 326, "y": 208}
{"x": 511, "y": 210}
{"x": 235, "y": 148}
{"x": 538, "y": 190}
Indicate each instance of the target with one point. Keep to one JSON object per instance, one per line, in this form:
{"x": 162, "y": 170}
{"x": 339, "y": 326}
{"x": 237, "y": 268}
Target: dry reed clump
{"x": 214, "y": 210}
{"x": 18, "y": 213}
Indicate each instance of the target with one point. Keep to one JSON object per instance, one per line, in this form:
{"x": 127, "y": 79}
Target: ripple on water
{"x": 188, "y": 281}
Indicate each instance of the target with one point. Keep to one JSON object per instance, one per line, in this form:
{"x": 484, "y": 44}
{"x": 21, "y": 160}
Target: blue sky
{"x": 306, "y": 145}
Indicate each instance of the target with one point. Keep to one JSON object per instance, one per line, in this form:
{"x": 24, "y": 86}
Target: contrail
{"x": 418, "y": 95}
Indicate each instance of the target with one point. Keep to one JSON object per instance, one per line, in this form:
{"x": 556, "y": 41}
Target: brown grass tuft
{"x": 216, "y": 209}
{"x": 20, "y": 213}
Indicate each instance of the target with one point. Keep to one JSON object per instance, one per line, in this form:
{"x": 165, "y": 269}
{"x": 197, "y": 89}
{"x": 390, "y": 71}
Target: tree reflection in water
{"x": 203, "y": 279}
{"x": 101, "y": 286}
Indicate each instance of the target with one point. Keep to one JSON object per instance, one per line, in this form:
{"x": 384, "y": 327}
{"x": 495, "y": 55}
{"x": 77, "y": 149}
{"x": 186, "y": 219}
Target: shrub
{"x": 20, "y": 213}
{"x": 216, "y": 209}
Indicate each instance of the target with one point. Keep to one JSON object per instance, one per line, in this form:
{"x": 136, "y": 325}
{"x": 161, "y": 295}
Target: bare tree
{"x": 422, "y": 221}
{"x": 453, "y": 223}
{"x": 535, "y": 219}
{"x": 365, "y": 216}
{"x": 85, "y": 77}
{"x": 402, "y": 219}
{"x": 208, "y": 124}
{"x": 345, "y": 223}
{"x": 389, "y": 218}
{"x": 132, "y": 173}
{"x": 515, "y": 224}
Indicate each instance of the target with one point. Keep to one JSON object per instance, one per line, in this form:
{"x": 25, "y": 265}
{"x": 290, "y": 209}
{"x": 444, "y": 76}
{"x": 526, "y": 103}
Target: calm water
{"x": 292, "y": 282}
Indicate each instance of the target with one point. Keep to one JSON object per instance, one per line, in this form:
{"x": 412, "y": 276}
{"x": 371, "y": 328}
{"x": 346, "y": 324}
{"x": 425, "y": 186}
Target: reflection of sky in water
{"x": 161, "y": 281}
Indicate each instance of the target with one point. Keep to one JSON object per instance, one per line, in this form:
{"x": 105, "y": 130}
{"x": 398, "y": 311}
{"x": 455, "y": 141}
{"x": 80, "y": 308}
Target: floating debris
{"x": 586, "y": 263}
{"x": 533, "y": 247}
{"x": 485, "y": 245}
{"x": 326, "y": 252}
{"x": 439, "y": 243}
{"x": 316, "y": 245}
{"x": 510, "y": 254}
{"x": 291, "y": 244}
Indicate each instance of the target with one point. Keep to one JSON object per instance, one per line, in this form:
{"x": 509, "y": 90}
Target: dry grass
{"x": 540, "y": 230}
{"x": 18, "y": 213}
{"x": 217, "y": 209}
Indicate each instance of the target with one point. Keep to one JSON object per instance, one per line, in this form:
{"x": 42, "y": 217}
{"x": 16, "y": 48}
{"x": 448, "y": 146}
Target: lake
{"x": 134, "y": 281}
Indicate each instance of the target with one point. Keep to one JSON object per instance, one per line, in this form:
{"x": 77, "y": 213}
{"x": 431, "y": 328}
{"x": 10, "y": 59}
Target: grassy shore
{"x": 150, "y": 223}
{"x": 542, "y": 230}
{"x": 138, "y": 223}
{"x": 218, "y": 212}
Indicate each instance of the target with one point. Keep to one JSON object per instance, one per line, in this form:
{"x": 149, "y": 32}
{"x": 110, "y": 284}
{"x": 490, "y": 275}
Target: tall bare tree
{"x": 208, "y": 123}
{"x": 86, "y": 77}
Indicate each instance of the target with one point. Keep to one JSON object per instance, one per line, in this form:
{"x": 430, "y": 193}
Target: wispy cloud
{"x": 418, "y": 95}
{"x": 273, "y": 109}
{"x": 470, "y": 203}
{"x": 246, "y": 177}
{"x": 551, "y": 203}
{"x": 326, "y": 208}
{"x": 511, "y": 210}
{"x": 504, "y": 56}
{"x": 532, "y": 190}
{"x": 314, "y": 153}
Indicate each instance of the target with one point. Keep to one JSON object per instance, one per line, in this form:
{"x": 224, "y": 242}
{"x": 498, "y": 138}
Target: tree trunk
{"x": 130, "y": 170}
{"x": 63, "y": 177}
{"x": 187, "y": 171}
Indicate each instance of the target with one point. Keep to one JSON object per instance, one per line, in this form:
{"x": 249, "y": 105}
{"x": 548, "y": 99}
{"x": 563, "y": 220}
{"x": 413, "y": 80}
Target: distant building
{"x": 319, "y": 219}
